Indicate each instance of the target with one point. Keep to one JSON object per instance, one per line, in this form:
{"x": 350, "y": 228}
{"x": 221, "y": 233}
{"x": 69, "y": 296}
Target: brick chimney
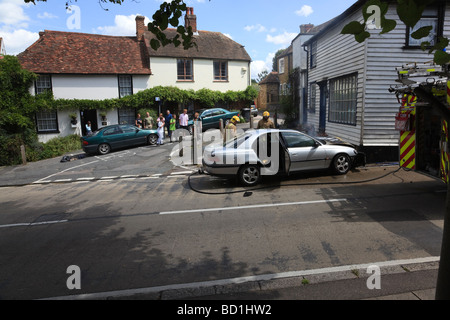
{"x": 140, "y": 27}
{"x": 306, "y": 28}
{"x": 190, "y": 19}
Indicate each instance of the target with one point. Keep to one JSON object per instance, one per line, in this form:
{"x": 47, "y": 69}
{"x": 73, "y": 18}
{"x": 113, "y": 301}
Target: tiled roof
{"x": 80, "y": 53}
{"x": 210, "y": 45}
{"x": 271, "y": 78}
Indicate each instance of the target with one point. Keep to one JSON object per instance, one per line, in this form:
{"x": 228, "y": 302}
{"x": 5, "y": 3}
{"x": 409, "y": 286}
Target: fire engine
{"x": 423, "y": 117}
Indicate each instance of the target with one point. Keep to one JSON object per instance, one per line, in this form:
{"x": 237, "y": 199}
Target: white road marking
{"x": 264, "y": 277}
{"x": 182, "y": 172}
{"x": 31, "y": 224}
{"x": 255, "y": 206}
{"x": 63, "y": 180}
{"x": 86, "y": 179}
{"x": 71, "y": 168}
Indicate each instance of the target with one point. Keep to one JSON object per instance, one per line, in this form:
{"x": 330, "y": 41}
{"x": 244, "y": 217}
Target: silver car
{"x": 258, "y": 153}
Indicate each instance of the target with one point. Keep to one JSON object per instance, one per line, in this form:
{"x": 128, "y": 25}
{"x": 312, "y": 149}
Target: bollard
{"x": 221, "y": 126}
{"x": 180, "y": 139}
{"x": 22, "y": 153}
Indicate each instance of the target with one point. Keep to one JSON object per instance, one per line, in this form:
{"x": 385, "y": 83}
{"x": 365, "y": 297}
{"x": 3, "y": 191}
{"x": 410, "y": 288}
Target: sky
{"x": 262, "y": 26}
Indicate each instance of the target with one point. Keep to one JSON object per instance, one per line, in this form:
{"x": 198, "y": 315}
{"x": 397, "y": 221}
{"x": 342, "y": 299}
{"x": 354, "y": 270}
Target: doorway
{"x": 323, "y": 106}
{"x": 88, "y": 115}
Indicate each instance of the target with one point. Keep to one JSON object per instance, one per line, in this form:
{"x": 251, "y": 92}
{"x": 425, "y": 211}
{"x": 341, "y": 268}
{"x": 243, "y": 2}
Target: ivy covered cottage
{"x": 92, "y": 67}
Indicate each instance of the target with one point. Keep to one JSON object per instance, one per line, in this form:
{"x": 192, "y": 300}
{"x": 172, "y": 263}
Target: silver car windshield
{"x": 237, "y": 141}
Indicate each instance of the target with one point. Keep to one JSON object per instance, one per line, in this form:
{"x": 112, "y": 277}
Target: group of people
{"x": 163, "y": 123}
{"x": 170, "y": 124}
{"x": 264, "y": 123}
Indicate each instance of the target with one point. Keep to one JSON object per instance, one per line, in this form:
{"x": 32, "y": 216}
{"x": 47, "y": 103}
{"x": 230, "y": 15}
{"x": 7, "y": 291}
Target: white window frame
{"x": 343, "y": 99}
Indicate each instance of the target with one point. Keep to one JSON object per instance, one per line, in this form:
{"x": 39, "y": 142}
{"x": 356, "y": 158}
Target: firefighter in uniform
{"x": 230, "y": 128}
{"x": 265, "y": 122}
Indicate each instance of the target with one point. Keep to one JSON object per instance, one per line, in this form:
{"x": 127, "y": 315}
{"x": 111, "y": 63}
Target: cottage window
{"x": 220, "y": 71}
{"x": 313, "y": 54}
{"x": 184, "y": 70}
{"x": 46, "y": 121}
{"x": 343, "y": 100}
{"x": 127, "y": 116}
{"x": 312, "y": 98}
{"x": 43, "y": 84}
{"x": 431, "y": 17}
{"x": 281, "y": 65}
{"x": 125, "y": 86}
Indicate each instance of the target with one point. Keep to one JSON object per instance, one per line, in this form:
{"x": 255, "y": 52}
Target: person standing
{"x": 88, "y": 129}
{"x": 230, "y": 129}
{"x": 168, "y": 118}
{"x": 148, "y": 121}
{"x": 184, "y": 118}
{"x": 265, "y": 122}
{"x": 160, "y": 130}
{"x": 138, "y": 122}
{"x": 173, "y": 125}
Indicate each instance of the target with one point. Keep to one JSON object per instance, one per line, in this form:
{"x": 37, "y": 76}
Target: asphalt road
{"x": 132, "y": 220}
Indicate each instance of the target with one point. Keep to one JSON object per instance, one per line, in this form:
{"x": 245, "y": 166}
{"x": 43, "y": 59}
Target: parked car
{"x": 277, "y": 151}
{"x": 253, "y": 110}
{"x": 117, "y": 136}
{"x": 211, "y": 118}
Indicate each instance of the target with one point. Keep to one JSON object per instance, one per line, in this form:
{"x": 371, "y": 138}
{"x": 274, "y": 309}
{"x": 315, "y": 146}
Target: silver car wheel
{"x": 152, "y": 139}
{"x": 104, "y": 148}
{"x": 342, "y": 164}
{"x": 250, "y": 175}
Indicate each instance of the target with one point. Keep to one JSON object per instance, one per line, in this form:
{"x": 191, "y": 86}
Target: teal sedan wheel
{"x": 104, "y": 148}
{"x": 152, "y": 139}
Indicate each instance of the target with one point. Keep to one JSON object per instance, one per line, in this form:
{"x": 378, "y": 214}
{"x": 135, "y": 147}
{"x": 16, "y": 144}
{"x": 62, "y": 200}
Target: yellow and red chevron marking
{"x": 444, "y": 155}
{"x": 448, "y": 92}
{"x": 408, "y": 149}
{"x": 409, "y": 100}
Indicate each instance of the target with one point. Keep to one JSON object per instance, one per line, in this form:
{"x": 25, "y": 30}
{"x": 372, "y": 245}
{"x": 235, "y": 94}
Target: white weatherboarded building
{"x": 348, "y": 81}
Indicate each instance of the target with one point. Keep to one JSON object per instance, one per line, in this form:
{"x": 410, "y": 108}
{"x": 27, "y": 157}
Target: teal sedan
{"x": 117, "y": 136}
{"x": 211, "y": 118}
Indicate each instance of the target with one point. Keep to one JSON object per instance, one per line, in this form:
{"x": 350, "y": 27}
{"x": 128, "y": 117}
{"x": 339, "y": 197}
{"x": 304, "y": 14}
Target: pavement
{"x": 398, "y": 280}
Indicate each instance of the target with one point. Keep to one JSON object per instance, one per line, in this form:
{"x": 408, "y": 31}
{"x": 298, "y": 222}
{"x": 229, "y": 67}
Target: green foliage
{"x": 16, "y": 102}
{"x": 55, "y": 147}
{"x": 145, "y": 99}
{"x": 35, "y": 151}
{"x": 409, "y": 12}
{"x": 370, "y": 7}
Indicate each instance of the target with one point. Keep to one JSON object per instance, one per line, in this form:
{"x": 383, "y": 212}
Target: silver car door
{"x": 287, "y": 156}
{"x": 305, "y": 152}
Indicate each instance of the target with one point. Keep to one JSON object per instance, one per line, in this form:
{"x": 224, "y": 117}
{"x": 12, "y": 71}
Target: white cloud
{"x": 123, "y": 26}
{"x": 304, "y": 11}
{"x": 18, "y": 40}
{"x": 259, "y": 66}
{"x": 281, "y": 39}
{"x": 256, "y": 27}
{"x": 46, "y": 15}
{"x": 228, "y": 35}
{"x": 11, "y": 12}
